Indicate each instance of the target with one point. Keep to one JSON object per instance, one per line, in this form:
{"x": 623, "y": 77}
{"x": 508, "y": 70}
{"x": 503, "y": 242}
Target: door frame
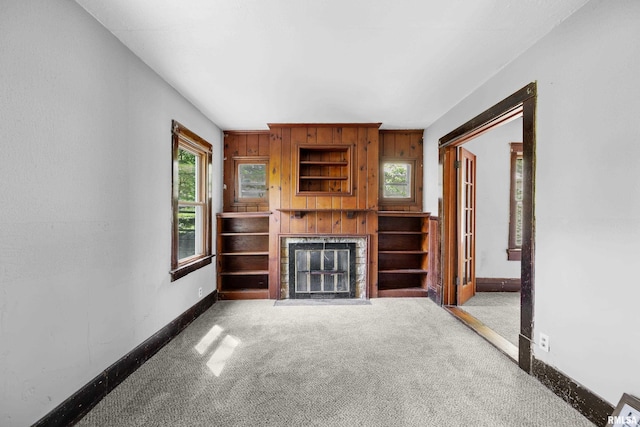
{"x": 520, "y": 104}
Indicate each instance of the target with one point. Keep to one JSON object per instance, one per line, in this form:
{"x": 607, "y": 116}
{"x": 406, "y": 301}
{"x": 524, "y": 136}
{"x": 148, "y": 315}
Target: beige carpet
{"x": 500, "y": 311}
{"x": 395, "y": 362}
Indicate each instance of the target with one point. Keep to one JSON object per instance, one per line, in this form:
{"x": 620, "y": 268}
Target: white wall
{"x": 85, "y": 222}
{"x": 587, "y": 188}
{"x": 493, "y": 174}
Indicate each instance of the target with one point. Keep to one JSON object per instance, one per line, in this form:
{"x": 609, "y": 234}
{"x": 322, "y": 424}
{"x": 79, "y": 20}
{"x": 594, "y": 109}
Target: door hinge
{"x": 457, "y": 280}
{"x": 457, "y": 164}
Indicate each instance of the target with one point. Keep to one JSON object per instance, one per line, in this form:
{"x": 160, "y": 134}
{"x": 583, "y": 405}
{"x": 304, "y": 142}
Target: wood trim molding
{"x": 323, "y": 125}
{"x": 81, "y": 402}
{"x": 579, "y": 397}
{"x": 521, "y": 103}
{"x": 502, "y": 112}
{"x": 497, "y": 284}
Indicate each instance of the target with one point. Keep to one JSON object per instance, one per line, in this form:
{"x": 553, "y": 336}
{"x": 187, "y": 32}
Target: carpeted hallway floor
{"x": 395, "y": 362}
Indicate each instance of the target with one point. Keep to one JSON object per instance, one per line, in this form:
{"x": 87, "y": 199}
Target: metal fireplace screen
{"x": 322, "y": 270}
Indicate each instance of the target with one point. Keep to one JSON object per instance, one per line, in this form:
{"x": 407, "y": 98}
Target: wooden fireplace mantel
{"x": 351, "y": 213}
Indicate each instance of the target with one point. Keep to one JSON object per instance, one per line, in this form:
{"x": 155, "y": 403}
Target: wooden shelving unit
{"x": 324, "y": 169}
{"x": 243, "y": 255}
{"x": 403, "y": 253}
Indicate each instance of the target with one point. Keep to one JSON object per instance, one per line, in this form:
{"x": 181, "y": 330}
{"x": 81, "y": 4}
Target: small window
{"x": 516, "y": 196}
{"x": 191, "y": 182}
{"x": 251, "y": 180}
{"x": 397, "y": 180}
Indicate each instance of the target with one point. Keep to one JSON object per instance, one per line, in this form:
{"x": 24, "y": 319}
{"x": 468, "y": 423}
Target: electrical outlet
{"x": 199, "y": 292}
{"x": 544, "y": 342}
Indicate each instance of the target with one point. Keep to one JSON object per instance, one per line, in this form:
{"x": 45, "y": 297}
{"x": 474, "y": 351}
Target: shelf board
{"x": 242, "y": 214}
{"x": 404, "y": 271}
{"x": 402, "y": 293}
{"x": 404, "y": 214}
{"x": 244, "y": 273}
{"x": 243, "y": 294}
{"x": 402, "y": 232}
{"x": 245, "y": 234}
{"x": 299, "y": 213}
{"x": 323, "y": 163}
{"x": 402, "y": 252}
{"x": 325, "y": 178}
{"x": 243, "y": 253}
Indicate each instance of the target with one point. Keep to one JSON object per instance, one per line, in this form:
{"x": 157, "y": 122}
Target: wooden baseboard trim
{"x": 80, "y": 403}
{"x": 497, "y": 284}
{"x": 592, "y": 406}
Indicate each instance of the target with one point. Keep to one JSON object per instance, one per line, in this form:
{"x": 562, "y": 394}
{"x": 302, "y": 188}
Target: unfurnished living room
{"x": 327, "y": 213}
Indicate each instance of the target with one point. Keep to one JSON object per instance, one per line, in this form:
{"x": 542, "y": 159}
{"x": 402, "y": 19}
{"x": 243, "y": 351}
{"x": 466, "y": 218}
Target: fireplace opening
{"x": 322, "y": 270}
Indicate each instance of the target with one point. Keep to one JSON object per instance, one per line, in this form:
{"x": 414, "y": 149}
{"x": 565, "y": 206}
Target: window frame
{"x": 514, "y": 251}
{"x": 251, "y": 160}
{"x": 181, "y": 137}
{"x": 412, "y": 185}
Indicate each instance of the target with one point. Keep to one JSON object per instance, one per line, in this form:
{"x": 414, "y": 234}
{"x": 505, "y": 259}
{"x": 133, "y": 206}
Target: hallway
{"x": 393, "y": 362}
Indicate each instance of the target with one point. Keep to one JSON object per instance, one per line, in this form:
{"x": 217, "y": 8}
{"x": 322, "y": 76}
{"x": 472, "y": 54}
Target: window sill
{"x": 185, "y": 269}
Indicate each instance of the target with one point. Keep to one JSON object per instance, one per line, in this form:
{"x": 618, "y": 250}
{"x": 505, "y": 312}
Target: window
{"x": 191, "y": 189}
{"x": 516, "y": 197}
{"x": 397, "y": 181}
{"x": 251, "y": 180}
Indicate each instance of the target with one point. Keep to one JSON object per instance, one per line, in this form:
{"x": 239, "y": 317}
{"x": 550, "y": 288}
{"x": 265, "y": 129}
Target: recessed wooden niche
{"x": 324, "y": 170}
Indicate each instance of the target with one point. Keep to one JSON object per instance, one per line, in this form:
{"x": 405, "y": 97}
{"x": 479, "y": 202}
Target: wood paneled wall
{"x": 331, "y": 215}
{"x": 238, "y": 145}
{"x": 403, "y": 145}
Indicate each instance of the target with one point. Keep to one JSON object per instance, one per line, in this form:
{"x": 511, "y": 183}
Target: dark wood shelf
{"x": 243, "y": 253}
{"x": 403, "y": 232}
{"x": 244, "y": 234}
{"x": 299, "y": 213}
{"x": 244, "y": 294}
{"x": 323, "y": 163}
{"x": 402, "y": 252}
{"x": 403, "y": 293}
{"x": 244, "y": 273}
{"x": 243, "y": 249}
{"x": 404, "y": 271}
{"x": 242, "y": 214}
{"x": 326, "y": 178}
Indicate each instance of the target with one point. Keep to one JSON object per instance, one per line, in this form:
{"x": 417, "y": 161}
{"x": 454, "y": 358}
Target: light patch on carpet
{"x": 208, "y": 339}
{"x": 222, "y": 354}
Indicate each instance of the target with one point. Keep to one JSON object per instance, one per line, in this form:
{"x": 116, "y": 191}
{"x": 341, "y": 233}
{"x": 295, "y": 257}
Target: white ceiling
{"x": 246, "y": 63}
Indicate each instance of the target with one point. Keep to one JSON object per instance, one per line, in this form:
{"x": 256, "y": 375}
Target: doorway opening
{"x": 456, "y": 208}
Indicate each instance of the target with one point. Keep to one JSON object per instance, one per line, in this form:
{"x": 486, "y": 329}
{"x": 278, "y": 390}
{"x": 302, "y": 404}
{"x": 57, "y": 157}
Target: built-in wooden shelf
{"x": 324, "y": 163}
{"x": 351, "y": 213}
{"x": 244, "y": 294}
{"x": 244, "y": 273}
{"x": 404, "y": 271}
{"x": 244, "y": 234}
{"x": 243, "y": 255}
{"x": 324, "y": 178}
{"x": 403, "y": 232}
{"x": 324, "y": 169}
{"x": 403, "y": 253}
{"x": 402, "y": 293}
